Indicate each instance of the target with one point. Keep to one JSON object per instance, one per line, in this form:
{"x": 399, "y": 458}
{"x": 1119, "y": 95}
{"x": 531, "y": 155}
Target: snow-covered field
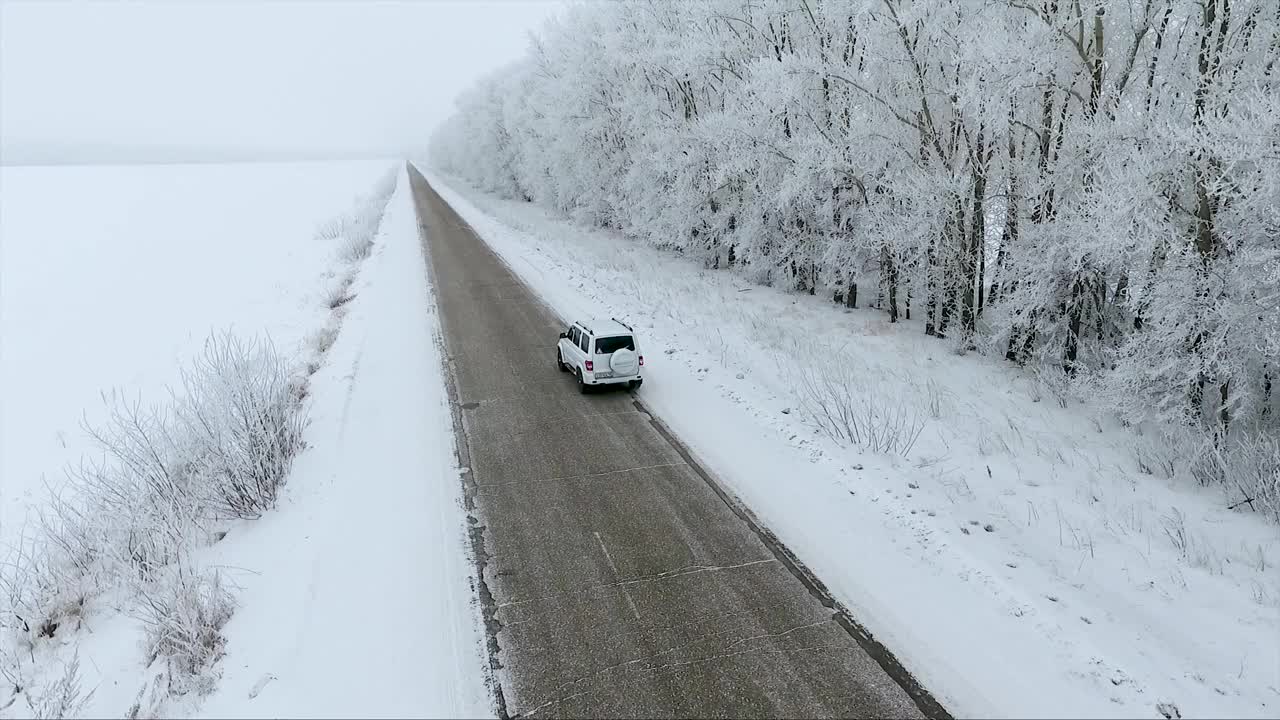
{"x": 352, "y": 596}
{"x": 113, "y": 277}
{"x": 1023, "y": 558}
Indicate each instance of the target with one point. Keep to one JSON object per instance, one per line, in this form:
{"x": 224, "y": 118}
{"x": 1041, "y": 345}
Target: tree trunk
{"x": 1015, "y": 341}
{"x": 982, "y": 279}
{"x": 931, "y": 287}
{"x": 1266, "y": 393}
{"x": 948, "y": 307}
{"x": 1206, "y": 240}
{"x": 1209, "y": 57}
{"x": 1195, "y": 398}
{"x": 1195, "y": 393}
{"x": 970, "y": 278}
{"x": 1224, "y": 412}
{"x": 891, "y": 279}
{"x": 1009, "y": 235}
{"x": 955, "y": 234}
{"x": 1155, "y": 55}
{"x": 1095, "y": 71}
{"x": 1074, "y": 313}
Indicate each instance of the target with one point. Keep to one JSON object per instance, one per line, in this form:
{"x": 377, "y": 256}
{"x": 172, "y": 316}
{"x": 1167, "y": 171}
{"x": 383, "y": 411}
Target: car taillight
{"x": 641, "y": 361}
{"x": 590, "y": 366}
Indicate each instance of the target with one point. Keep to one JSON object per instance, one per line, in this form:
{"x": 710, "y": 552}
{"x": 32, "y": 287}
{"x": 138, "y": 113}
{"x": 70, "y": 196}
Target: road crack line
{"x": 609, "y": 559}
{"x": 667, "y": 575}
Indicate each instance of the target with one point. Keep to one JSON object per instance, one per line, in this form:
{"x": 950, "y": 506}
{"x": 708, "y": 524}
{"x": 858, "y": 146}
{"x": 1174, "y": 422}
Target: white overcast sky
{"x": 275, "y": 75}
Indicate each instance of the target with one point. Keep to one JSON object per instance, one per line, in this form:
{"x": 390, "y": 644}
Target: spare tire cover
{"x": 624, "y": 362}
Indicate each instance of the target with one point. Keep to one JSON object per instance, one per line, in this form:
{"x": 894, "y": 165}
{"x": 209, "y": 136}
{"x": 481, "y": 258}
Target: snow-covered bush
{"x": 62, "y": 697}
{"x": 843, "y": 400}
{"x": 331, "y": 229}
{"x": 127, "y": 521}
{"x": 1156, "y": 456}
{"x": 221, "y": 448}
{"x": 137, "y": 505}
{"x": 339, "y": 294}
{"x": 116, "y": 519}
{"x": 355, "y": 248}
{"x": 38, "y": 586}
{"x": 54, "y": 694}
{"x": 1248, "y": 467}
{"x": 358, "y": 228}
{"x": 240, "y": 425}
{"x": 184, "y": 612}
{"x": 324, "y": 338}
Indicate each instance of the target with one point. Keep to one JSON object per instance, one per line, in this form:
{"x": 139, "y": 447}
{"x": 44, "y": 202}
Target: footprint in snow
{"x": 262, "y": 683}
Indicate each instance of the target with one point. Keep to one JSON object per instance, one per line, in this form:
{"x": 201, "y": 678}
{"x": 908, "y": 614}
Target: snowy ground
{"x": 353, "y": 595}
{"x": 1017, "y": 557}
{"x": 356, "y": 597}
{"x": 112, "y": 277}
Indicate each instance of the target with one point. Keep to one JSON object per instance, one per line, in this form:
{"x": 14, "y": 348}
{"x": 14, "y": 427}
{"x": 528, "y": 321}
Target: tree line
{"x": 1085, "y": 186}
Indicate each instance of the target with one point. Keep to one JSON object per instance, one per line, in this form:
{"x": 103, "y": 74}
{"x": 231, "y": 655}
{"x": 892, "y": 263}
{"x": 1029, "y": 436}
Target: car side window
{"x": 585, "y": 343}
{"x": 573, "y": 335}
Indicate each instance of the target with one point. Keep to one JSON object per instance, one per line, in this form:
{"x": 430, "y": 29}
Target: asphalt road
{"x": 620, "y": 581}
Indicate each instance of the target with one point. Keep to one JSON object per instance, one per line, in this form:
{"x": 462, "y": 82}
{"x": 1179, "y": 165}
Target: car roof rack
{"x": 622, "y": 324}
{"x": 584, "y": 327}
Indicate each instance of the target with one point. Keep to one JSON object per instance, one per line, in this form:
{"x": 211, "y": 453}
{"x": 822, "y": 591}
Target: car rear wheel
{"x": 582, "y": 384}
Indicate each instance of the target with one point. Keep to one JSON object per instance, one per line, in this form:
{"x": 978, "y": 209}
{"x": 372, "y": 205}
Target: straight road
{"x": 620, "y": 581}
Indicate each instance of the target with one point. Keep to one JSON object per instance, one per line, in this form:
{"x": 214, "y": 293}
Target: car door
{"x": 572, "y": 353}
{"x": 563, "y": 345}
{"x": 584, "y": 348}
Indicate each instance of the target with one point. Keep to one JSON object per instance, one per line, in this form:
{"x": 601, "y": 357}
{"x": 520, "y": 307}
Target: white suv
{"x": 600, "y": 353}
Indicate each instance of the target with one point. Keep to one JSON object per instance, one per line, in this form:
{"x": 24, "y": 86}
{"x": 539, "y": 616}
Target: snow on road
{"x": 356, "y": 597}
{"x": 1017, "y": 559}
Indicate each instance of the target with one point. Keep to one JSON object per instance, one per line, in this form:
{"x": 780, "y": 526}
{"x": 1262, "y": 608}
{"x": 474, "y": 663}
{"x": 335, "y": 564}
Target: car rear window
{"x": 610, "y": 345}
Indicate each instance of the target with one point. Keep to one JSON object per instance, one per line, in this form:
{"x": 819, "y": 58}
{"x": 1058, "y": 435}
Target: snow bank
{"x": 1017, "y": 559}
{"x": 356, "y": 596}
